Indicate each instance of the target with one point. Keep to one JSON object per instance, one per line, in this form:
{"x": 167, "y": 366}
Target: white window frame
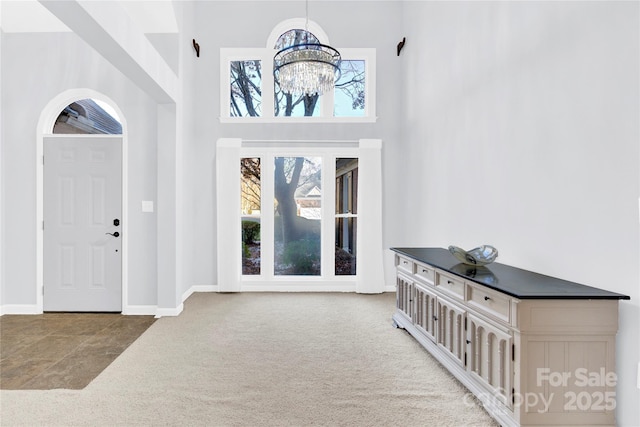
{"x": 369, "y": 277}
{"x": 265, "y": 55}
{"x": 267, "y": 216}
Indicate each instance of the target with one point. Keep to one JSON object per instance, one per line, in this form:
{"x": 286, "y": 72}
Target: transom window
{"x": 249, "y": 92}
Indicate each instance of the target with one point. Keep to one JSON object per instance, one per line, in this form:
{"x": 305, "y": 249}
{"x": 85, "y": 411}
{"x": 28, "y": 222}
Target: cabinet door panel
{"x": 490, "y": 359}
{"x": 404, "y": 295}
{"x": 425, "y": 311}
{"x": 451, "y": 334}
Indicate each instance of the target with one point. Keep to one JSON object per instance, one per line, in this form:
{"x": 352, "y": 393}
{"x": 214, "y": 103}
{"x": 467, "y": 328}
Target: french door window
{"x": 300, "y": 216}
{"x": 296, "y": 216}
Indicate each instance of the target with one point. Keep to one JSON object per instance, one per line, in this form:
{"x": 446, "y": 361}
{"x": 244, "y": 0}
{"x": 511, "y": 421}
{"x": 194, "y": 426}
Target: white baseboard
{"x": 204, "y": 288}
{"x": 19, "y": 309}
{"x": 198, "y": 288}
{"x": 166, "y": 312}
{"x": 153, "y": 310}
{"x": 140, "y": 310}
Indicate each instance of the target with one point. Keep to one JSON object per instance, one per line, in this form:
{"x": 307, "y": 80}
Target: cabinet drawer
{"x": 489, "y": 302}
{"x": 450, "y": 285}
{"x": 404, "y": 264}
{"x": 425, "y": 272}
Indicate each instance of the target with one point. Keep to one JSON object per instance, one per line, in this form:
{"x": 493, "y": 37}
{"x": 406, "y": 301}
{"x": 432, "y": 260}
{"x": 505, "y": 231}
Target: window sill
{"x": 295, "y": 120}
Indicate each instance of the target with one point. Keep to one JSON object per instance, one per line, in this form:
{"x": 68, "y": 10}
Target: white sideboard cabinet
{"x": 535, "y": 350}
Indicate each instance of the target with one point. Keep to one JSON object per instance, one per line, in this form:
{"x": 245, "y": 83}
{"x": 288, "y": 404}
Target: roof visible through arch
{"x": 86, "y": 116}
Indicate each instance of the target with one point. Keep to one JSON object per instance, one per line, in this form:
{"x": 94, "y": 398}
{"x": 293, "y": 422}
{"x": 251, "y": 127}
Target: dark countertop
{"x": 512, "y": 281}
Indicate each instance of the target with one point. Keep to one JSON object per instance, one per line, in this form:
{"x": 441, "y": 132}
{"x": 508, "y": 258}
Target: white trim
{"x": 228, "y": 221}
{"x": 141, "y": 310}
{"x": 202, "y": 288}
{"x": 285, "y": 143}
{"x": 153, "y": 310}
{"x": 371, "y": 278}
{"x": 45, "y": 128}
{"x": 317, "y": 119}
{"x": 370, "y": 58}
{"x": 20, "y": 309}
{"x": 296, "y": 287}
{"x": 198, "y": 288}
{"x": 169, "y": 312}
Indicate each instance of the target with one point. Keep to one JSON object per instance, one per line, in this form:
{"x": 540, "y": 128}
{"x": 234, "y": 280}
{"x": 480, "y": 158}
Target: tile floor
{"x": 62, "y": 350}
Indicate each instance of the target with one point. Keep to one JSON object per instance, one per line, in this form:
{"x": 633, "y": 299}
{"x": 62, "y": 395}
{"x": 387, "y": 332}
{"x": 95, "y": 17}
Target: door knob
{"x": 116, "y": 234}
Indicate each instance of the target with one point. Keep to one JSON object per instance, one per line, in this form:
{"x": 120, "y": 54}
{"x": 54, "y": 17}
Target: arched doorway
{"x": 82, "y": 242}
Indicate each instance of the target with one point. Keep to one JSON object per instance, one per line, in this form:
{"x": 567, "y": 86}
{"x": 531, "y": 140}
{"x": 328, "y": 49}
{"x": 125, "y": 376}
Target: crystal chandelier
{"x": 303, "y": 66}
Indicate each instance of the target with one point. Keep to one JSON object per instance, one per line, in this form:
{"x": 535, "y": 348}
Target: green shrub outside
{"x": 301, "y": 255}
{"x": 245, "y": 250}
{"x": 250, "y": 232}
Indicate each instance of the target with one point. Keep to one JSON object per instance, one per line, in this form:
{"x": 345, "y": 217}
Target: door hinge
{"x": 465, "y": 359}
{"x": 513, "y": 352}
{"x": 513, "y": 396}
{"x": 465, "y": 323}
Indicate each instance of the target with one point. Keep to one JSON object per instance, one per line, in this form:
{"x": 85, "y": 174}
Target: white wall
{"x": 521, "y": 130}
{"x": 189, "y": 117}
{"x": 1, "y": 173}
{"x": 47, "y": 64}
{"x": 35, "y": 69}
{"x": 248, "y": 24}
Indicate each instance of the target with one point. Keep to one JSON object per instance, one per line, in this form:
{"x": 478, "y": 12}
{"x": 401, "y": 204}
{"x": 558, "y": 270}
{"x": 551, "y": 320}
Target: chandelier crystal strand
{"x": 307, "y": 68}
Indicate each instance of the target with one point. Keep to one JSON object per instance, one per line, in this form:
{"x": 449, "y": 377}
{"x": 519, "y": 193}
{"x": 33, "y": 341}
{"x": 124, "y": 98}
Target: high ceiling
{"x": 20, "y": 16}
{"x": 138, "y": 37}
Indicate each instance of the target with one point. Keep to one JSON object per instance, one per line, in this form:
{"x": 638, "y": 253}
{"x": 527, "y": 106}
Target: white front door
{"x": 82, "y": 223}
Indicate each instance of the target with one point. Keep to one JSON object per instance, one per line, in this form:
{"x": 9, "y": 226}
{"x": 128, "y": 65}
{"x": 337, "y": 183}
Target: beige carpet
{"x": 263, "y": 359}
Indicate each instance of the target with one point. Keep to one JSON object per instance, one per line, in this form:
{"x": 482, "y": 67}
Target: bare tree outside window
{"x": 246, "y": 88}
{"x": 350, "y": 89}
{"x": 288, "y": 104}
{"x": 297, "y": 214}
{"x": 298, "y": 194}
